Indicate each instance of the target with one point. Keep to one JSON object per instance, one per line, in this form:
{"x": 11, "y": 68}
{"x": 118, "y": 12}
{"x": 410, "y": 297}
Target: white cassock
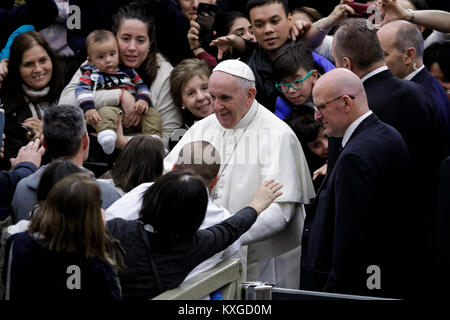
{"x": 259, "y": 148}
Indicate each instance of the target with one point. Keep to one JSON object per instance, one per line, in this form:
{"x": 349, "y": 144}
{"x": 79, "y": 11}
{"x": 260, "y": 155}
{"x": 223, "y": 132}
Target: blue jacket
{"x": 8, "y": 183}
{"x": 442, "y": 104}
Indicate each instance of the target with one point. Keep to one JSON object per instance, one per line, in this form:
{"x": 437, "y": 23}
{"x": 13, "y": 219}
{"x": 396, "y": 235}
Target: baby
{"x": 104, "y": 72}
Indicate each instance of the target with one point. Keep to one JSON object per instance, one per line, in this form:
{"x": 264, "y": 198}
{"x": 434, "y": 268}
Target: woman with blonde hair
{"x": 64, "y": 254}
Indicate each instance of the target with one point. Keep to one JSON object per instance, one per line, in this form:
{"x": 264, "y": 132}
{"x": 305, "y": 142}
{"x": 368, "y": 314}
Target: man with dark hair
{"x": 64, "y": 137}
{"x": 271, "y": 22}
{"x": 401, "y": 104}
{"x": 273, "y": 27}
{"x": 403, "y": 53}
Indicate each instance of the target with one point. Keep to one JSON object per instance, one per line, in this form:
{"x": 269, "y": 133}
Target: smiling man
{"x": 255, "y": 146}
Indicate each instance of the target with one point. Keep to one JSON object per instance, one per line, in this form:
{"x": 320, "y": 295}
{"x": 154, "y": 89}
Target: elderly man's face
{"x": 393, "y": 57}
{"x": 229, "y": 101}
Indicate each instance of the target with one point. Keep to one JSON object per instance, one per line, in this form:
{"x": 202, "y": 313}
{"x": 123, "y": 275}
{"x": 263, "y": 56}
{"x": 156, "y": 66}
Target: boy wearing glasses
{"x": 294, "y": 69}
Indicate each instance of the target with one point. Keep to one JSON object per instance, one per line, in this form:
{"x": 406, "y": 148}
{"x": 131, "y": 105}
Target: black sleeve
{"x": 214, "y": 239}
{"x": 39, "y": 13}
{"x": 9, "y": 181}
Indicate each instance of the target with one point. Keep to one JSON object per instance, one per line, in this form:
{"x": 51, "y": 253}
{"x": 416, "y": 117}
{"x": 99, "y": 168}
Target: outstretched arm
{"x": 433, "y": 19}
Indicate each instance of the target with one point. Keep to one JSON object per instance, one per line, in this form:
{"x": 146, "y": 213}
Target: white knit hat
{"x": 236, "y": 68}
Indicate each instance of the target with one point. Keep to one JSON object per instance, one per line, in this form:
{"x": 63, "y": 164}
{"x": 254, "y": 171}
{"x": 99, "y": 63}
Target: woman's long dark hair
{"x": 12, "y": 91}
{"x": 135, "y": 10}
{"x": 140, "y": 161}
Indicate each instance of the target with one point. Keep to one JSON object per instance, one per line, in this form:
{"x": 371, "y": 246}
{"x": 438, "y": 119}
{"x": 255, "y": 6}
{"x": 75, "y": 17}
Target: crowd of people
{"x": 306, "y": 141}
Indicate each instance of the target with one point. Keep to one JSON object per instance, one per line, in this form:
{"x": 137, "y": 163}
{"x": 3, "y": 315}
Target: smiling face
{"x": 230, "y": 102}
{"x": 134, "y": 42}
{"x": 299, "y": 97}
{"x": 270, "y": 26}
{"x": 196, "y": 98}
{"x": 104, "y": 55}
{"x": 36, "y": 67}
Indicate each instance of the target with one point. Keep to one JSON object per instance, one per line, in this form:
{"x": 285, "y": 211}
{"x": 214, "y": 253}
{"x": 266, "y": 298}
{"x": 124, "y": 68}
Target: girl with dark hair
{"x": 164, "y": 244}
{"x": 140, "y": 161}
{"x": 64, "y": 252}
{"x": 234, "y": 23}
{"x": 34, "y": 82}
{"x": 135, "y": 32}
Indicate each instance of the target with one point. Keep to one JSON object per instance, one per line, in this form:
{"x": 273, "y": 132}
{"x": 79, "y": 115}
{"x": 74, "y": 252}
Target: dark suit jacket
{"x": 441, "y": 274}
{"x": 361, "y": 216}
{"x": 437, "y": 93}
{"x": 405, "y": 106}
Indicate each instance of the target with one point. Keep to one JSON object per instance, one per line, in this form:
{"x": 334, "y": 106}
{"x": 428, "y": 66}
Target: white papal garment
{"x": 259, "y": 148}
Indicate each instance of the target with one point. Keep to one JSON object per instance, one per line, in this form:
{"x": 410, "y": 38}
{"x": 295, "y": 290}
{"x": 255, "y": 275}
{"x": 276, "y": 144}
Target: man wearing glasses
{"x": 360, "y": 217}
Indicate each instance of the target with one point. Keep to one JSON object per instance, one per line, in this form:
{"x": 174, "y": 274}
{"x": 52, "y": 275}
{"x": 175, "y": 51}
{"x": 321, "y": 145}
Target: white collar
{"x": 248, "y": 117}
{"x": 412, "y": 74}
{"x": 374, "y": 72}
{"x": 351, "y": 128}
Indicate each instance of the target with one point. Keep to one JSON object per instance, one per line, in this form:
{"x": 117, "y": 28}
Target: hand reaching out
{"x": 31, "y": 152}
{"x": 265, "y": 195}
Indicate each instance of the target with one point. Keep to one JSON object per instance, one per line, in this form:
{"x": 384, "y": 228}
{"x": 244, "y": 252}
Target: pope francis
{"x": 255, "y": 146}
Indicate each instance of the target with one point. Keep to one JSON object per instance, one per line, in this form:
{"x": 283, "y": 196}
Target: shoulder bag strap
{"x": 143, "y": 233}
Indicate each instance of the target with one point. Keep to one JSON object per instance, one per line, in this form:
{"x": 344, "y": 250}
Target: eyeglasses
{"x": 322, "y": 107}
{"x": 296, "y": 84}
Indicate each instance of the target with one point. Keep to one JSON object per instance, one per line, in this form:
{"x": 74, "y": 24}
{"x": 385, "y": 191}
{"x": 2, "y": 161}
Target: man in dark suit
{"x": 405, "y": 106}
{"x": 403, "y": 48}
{"x": 355, "y": 238}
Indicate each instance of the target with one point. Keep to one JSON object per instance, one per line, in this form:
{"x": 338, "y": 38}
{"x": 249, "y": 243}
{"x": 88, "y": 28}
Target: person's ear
{"x": 85, "y": 141}
{"x": 213, "y": 182}
{"x": 348, "y": 103}
{"x": 43, "y": 142}
{"x": 314, "y": 76}
{"x": 251, "y": 94}
{"x": 409, "y": 56}
{"x": 347, "y": 63}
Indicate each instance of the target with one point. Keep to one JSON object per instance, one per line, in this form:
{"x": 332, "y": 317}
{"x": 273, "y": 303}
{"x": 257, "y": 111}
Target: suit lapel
{"x": 360, "y": 128}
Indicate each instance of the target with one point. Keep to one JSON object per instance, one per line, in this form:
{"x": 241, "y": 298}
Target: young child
{"x": 312, "y": 137}
{"x": 104, "y": 72}
{"x": 294, "y": 69}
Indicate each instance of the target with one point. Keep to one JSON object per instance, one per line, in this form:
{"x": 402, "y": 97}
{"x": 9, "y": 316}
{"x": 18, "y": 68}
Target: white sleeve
{"x": 271, "y": 221}
{"x": 325, "y": 48}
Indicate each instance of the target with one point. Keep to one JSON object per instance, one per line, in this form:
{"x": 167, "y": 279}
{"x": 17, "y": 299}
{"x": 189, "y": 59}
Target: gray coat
{"x": 25, "y": 195}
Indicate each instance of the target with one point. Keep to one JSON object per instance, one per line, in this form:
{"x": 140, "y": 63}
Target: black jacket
{"x": 173, "y": 259}
{"x": 361, "y": 217}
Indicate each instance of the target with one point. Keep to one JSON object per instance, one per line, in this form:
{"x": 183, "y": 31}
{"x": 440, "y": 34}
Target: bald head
{"x": 340, "y": 99}
{"x": 339, "y": 81}
{"x": 403, "y": 47}
{"x": 200, "y": 157}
